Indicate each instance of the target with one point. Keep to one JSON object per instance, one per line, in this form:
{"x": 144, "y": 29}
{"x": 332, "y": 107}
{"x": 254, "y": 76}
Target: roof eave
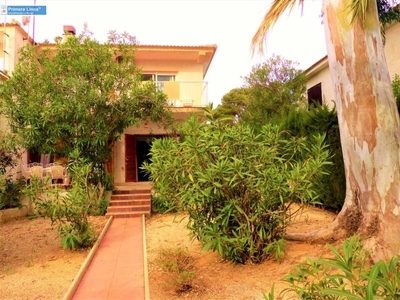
{"x": 317, "y": 66}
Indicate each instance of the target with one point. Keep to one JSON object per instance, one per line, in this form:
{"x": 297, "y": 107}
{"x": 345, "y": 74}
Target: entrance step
{"x": 129, "y": 203}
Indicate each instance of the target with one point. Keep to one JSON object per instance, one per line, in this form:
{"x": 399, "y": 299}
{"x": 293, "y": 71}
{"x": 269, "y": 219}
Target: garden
{"x": 234, "y": 192}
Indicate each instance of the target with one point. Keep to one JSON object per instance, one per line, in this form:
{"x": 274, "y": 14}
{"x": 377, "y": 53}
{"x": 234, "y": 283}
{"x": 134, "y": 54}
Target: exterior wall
{"x": 392, "y": 54}
{"x": 145, "y": 129}
{"x": 392, "y": 49}
{"x": 184, "y": 71}
{"x": 323, "y": 77}
{"x": 188, "y": 87}
{"x": 12, "y": 38}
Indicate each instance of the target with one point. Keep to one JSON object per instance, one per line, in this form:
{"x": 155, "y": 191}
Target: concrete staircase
{"x": 130, "y": 203}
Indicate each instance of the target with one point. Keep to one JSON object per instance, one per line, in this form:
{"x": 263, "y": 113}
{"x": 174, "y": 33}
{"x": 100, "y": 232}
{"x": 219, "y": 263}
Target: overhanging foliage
{"x": 78, "y": 94}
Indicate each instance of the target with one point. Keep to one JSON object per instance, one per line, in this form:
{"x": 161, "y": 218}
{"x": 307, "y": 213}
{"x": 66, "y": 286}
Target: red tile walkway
{"x": 117, "y": 268}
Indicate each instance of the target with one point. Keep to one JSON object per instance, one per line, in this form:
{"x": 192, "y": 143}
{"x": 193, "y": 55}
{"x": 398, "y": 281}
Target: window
{"x": 147, "y": 77}
{"x": 165, "y": 78}
{"x": 314, "y": 95}
{"x": 159, "y": 79}
{"x": 156, "y": 77}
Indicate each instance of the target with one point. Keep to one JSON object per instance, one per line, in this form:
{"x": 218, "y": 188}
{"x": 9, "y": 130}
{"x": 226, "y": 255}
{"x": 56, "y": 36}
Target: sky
{"x": 230, "y": 24}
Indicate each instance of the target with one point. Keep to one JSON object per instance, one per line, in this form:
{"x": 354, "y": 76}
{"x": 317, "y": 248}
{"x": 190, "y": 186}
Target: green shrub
{"x": 396, "y": 90}
{"x": 163, "y": 205}
{"x": 179, "y": 266}
{"x": 69, "y": 209}
{"x": 236, "y": 185}
{"x": 10, "y": 188}
{"x": 322, "y": 120}
{"x": 99, "y": 207}
{"x": 165, "y": 190}
{"x": 11, "y": 192}
{"x": 99, "y": 176}
{"x": 347, "y": 275}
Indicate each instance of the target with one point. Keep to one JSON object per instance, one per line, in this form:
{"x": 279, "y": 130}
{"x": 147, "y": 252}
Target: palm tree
{"x": 368, "y": 121}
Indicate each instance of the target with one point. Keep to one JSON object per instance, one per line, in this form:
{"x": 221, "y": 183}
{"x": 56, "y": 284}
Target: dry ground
{"x": 218, "y": 279}
{"x": 34, "y": 266}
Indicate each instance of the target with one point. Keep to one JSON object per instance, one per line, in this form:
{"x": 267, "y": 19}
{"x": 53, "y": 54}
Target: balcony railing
{"x": 185, "y": 93}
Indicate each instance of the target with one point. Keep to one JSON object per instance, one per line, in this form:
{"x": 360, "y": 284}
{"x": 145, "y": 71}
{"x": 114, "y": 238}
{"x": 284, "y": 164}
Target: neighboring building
{"x": 319, "y": 83}
{"x": 178, "y": 70}
{"x": 12, "y": 38}
{"x": 3, "y": 124}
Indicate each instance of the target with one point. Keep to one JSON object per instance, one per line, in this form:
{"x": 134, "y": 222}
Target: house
{"x": 12, "y": 38}
{"x": 179, "y": 71}
{"x": 319, "y": 84}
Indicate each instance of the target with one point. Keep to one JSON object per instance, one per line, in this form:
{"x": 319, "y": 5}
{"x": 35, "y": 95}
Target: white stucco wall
{"x": 323, "y": 77}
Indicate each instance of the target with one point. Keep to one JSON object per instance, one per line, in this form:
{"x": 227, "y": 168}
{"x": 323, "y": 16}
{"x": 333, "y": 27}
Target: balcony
{"x": 185, "y": 93}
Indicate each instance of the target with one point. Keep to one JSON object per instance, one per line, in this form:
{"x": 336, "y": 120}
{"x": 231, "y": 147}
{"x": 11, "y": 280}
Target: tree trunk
{"x": 369, "y": 130}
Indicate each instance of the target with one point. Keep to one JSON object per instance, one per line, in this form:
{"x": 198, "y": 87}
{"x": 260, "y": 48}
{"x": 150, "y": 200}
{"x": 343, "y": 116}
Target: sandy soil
{"x": 34, "y": 266}
{"x": 215, "y": 278}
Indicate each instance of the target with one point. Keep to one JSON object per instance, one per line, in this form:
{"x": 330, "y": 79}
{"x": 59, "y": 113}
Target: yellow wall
{"x": 392, "y": 49}
{"x": 184, "y": 71}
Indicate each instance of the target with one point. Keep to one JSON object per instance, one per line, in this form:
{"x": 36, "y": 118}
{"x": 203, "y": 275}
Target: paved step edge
{"x": 128, "y": 215}
{"x": 124, "y": 192}
{"x": 132, "y": 208}
{"x": 129, "y": 202}
{"x": 130, "y": 196}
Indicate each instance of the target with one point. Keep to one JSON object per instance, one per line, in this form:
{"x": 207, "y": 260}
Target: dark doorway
{"x": 137, "y": 150}
{"x": 143, "y": 150}
{"x": 143, "y": 146}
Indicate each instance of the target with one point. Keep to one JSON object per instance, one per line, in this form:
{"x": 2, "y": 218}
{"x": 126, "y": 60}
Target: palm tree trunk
{"x": 369, "y": 130}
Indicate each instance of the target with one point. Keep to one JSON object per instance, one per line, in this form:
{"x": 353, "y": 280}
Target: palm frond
{"x": 276, "y": 10}
{"x": 359, "y": 9}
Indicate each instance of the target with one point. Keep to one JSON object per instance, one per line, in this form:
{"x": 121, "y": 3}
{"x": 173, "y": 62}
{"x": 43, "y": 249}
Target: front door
{"x": 130, "y": 158}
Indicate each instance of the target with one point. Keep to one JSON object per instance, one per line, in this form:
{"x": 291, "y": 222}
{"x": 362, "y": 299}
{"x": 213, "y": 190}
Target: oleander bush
{"x": 322, "y": 120}
{"x": 238, "y": 186}
{"x": 69, "y": 209}
{"x": 10, "y": 184}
